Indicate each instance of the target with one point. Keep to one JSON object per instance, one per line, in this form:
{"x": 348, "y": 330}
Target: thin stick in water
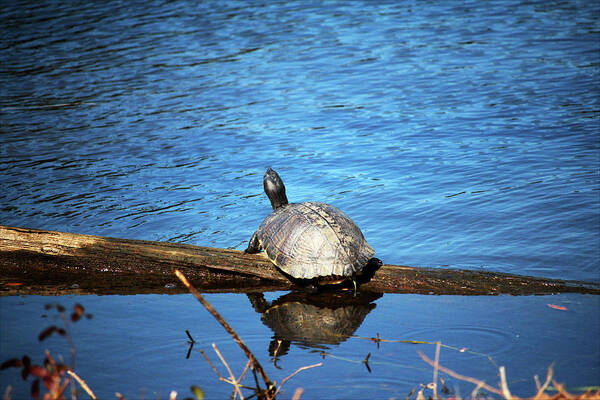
{"x": 227, "y": 327}
{"x": 190, "y": 336}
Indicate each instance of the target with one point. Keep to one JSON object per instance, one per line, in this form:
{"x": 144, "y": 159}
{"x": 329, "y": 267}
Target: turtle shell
{"x": 314, "y": 240}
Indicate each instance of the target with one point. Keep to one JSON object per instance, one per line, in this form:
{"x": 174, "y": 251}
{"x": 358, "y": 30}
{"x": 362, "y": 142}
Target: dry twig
{"x": 297, "y": 394}
{"x": 228, "y": 328}
{"x": 212, "y": 366}
{"x": 294, "y": 373}
{"x": 504, "y": 384}
{"x": 435, "y": 369}
{"x": 542, "y": 389}
{"x": 234, "y": 381}
{"x": 82, "y": 384}
{"x": 459, "y": 376}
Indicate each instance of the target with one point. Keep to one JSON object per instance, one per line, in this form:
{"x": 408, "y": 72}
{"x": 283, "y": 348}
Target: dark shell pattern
{"x": 312, "y": 325}
{"x": 314, "y": 240}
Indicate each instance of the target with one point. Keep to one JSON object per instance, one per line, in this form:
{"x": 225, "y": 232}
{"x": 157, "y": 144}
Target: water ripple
{"x": 469, "y": 141}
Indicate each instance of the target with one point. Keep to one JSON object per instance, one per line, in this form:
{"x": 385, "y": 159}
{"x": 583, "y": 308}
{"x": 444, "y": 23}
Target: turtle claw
{"x": 254, "y": 245}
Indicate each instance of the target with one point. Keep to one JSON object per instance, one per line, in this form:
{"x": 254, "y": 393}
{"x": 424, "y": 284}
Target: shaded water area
{"x": 461, "y": 135}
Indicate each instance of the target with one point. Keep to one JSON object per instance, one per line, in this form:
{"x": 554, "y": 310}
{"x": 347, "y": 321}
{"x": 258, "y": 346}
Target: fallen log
{"x": 36, "y": 261}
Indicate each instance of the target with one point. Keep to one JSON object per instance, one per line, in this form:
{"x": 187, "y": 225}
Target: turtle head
{"x": 275, "y": 189}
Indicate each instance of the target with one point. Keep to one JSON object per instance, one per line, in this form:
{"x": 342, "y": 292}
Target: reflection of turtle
{"x": 312, "y": 320}
{"x": 313, "y": 241}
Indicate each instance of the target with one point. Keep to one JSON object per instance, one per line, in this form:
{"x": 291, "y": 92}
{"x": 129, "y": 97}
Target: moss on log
{"x": 53, "y": 263}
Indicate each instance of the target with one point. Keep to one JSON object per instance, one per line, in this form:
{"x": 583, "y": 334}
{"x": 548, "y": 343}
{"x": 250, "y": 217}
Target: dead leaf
{"x": 557, "y": 307}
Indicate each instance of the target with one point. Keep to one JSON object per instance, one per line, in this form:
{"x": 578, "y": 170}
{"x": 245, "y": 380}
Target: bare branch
{"x": 297, "y": 394}
{"x": 82, "y": 384}
{"x": 227, "y": 327}
{"x": 459, "y": 376}
{"x": 294, "y": 373}
{"x": 504, "y": 384}
{"x": 435, "y": 368}
{"x": 542, "y": 389}
{"x": 236, "y": 384}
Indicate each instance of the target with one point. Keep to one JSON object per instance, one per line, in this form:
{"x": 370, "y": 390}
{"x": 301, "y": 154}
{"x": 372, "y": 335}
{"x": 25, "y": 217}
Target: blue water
{"x": 456, "y": 134}
{"x": 137, "y": 344}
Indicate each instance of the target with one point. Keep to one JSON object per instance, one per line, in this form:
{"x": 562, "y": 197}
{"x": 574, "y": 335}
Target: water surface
{"x": 460, "y": 135}
{"x": 137, "y": 344}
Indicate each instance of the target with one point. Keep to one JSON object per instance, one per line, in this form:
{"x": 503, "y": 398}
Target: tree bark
{"x": 54, "y": 263}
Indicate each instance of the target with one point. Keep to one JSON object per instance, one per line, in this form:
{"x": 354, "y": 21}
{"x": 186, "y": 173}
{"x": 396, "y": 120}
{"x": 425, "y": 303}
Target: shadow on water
{"x": 312, "y": 320}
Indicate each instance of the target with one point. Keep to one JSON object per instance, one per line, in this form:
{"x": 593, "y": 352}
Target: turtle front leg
{"x": 254, "y": 245}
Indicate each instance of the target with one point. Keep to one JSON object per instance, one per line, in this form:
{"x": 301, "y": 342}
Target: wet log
{"x": 36, "y": 261}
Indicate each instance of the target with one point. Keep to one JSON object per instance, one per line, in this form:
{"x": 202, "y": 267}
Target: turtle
{"x": 314, "y": 320}
{"x": 312, "y": 242}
